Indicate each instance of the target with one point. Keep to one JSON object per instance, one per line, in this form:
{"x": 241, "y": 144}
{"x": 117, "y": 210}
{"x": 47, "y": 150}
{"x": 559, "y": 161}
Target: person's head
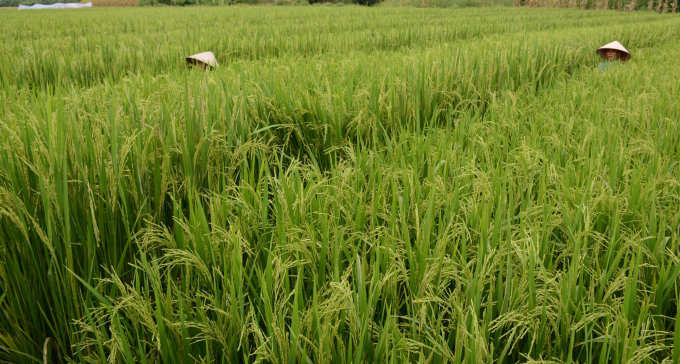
{"x": 612, "y": 54}
{"x": 195, "y": 62}
{"x": 614, "y": 51}
{"x": 203, "y": 60}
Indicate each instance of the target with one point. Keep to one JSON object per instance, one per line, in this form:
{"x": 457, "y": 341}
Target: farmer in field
{"x": 613, "y": 53}
{"x": 202, "y": 60}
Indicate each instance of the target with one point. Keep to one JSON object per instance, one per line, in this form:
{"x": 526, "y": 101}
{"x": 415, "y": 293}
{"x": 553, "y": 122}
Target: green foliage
{"x": 355, "y": 185}
{"x": 190, "y": 2}
{"x": 660, "y": 6}
{"x": 446, "y": 3}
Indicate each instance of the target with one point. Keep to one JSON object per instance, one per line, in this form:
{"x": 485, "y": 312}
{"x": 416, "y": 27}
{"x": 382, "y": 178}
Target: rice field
{"x": 351, "y": 185}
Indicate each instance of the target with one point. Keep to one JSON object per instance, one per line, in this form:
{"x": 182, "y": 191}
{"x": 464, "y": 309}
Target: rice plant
{"x": 351, "y": 185}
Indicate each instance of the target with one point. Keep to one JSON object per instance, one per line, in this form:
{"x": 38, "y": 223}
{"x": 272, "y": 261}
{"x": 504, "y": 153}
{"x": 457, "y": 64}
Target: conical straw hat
{"x": 205, "y": 57}
{"x": 615, "y": 45}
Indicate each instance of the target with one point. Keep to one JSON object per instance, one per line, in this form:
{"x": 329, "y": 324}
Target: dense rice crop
{"x": 351, "y": 185}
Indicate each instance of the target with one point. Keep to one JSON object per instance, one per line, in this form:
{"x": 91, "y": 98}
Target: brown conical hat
{"x": 615, "y": 45}
{"x": 205, "y": 57}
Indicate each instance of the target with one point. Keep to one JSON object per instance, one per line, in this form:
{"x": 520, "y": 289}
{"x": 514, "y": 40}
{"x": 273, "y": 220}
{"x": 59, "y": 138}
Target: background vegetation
{"x": 356, "y": 185}
{"x": 660, "y": 6}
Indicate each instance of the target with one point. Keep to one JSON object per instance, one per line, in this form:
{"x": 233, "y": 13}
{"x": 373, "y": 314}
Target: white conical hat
{"x": 205, "y": 57}
{"x": 615, "y": 45}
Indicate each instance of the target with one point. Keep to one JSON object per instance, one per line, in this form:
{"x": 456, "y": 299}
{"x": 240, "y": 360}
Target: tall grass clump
{"x": 372, "y": 186}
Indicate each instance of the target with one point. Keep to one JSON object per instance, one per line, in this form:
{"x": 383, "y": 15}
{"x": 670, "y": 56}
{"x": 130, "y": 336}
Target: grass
{"x": 355, "y": 185}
